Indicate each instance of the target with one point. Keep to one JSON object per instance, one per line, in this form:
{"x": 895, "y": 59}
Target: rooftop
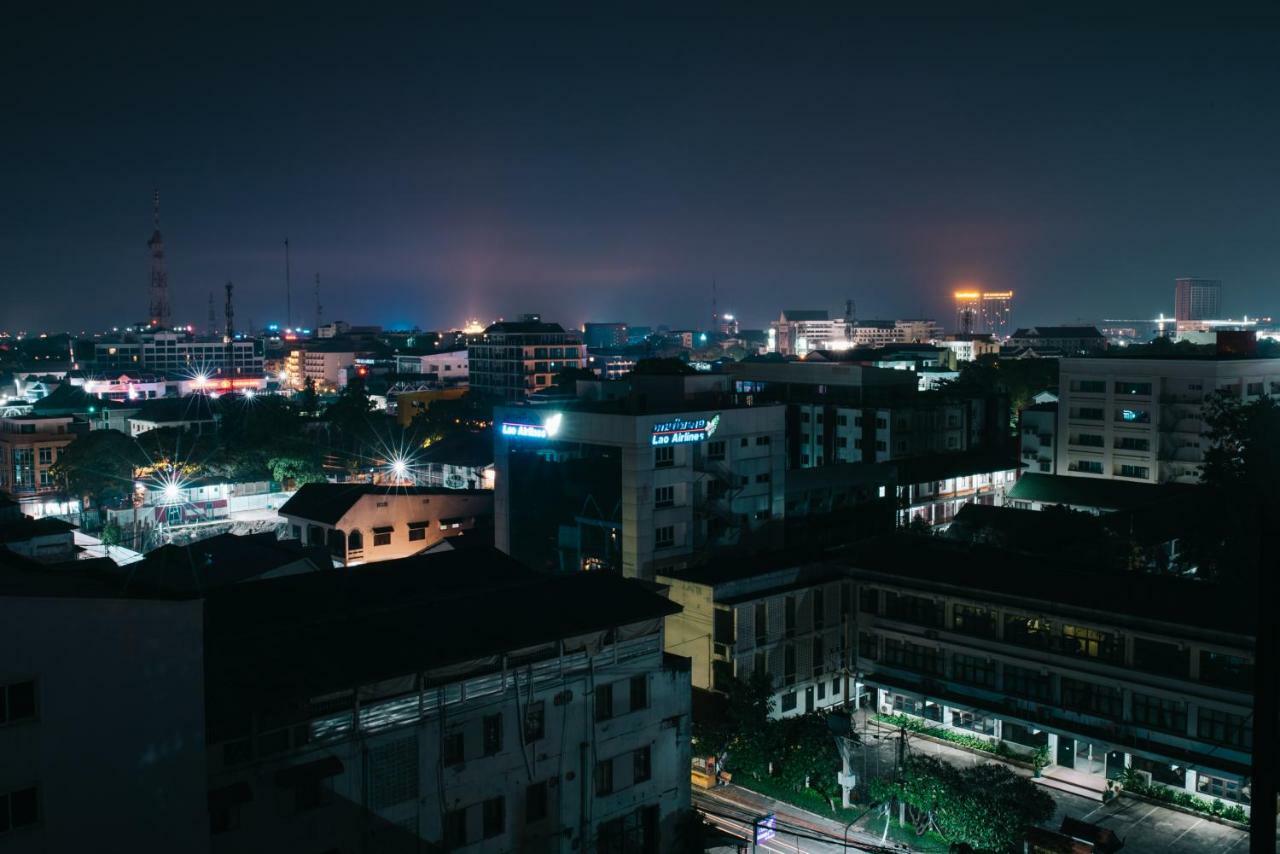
{"x": 328, "y": 502}
{"x": 1106, "y": 494}
{"x": 1057, "y": 332}
{"x": 525, "y": 327}
{"x": 800, "y": 314}
{"x": 220, "y": 561}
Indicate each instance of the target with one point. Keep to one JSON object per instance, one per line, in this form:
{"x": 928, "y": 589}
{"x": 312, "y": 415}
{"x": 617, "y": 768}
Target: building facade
{"x": 29, "y": 446}
{"x": 797, "y": 331}
{"x": 604, "y": 336}
{"x": 450, "y": 367}
{"x": 1142, "y": 419}
{"x": 1099, "y": 673}
{"x": 1197, "y": 299}
{"x": 635, "y": 490}
{"x": 179, "y": 353}
{"x": 1037, "y": 438}
{"x": 516, "y": 359}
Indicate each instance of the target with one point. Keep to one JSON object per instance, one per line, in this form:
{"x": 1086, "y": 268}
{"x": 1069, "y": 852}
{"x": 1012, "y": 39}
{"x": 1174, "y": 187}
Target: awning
{"x": 385, "y": 529}
{"x": 295, "y": 774}
{"x": 413, "y": 525}
{"x": 230, "y": 796}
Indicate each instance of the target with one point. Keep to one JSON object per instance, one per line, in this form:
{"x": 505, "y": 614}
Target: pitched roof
{"x": 1058, "y": 332}
{"x": 328, "y": 502}
{"x": 1103, "y": 493}
{"x": 219, "y": 561}
{"x": 525, "y": 326}
{"x": 26, "y": 528}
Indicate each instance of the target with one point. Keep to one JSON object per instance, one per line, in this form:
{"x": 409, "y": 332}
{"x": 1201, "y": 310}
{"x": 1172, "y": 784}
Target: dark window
{"x": 868, "y": 646}
{"x": 355, "y": 541}
{"x": 1133, "y": 388}
{"x": 19, "y": 809}
{"x": 721, "y": 675}
{"x": 869, "y": 600}
{"x": 715, "y": 450}
{"x": 535, "y": 802}
{"x": 604, "y": 777}
{"x": 1023, "y": 682}
{"x": 973, "y": 671}
{"x": 723, "y": 626}
{"x": 454, "y": 748}
{"x": 1090, "y": 386}
{"x": 1160, "y": 713}
{"x": 664, "y": 496}
{"x": 418, "y": 530}
{"x": 492, "y": 734}
{"x": 921, "y": 659}
{"x": 761, "y": 624}
{"x": 819, "y": 657}
{"x": 604, "y": 702}
{"x": 762, "y": 478}
{"x": 1229, "y": 671}
{"x": 495, "y": 817}
{"x": 789, "y": 665}
{"x": 1224, "y": 728}
{"x": 664, "y": 537}
{"x": 382, "y": 536}
{"x": 1102, "y": 700}
{"x": 974, "y": 621}
{"x": 819, "y": 608}
{"x": 789, "y": 624}
{"x": 1164, "y": 659}
{"x": 17, "y": 702}
{"x": 639, "y": 692}
{"x": 913, "y": 609}
{"x": 535, "y": 721}
{"x": 664, "y": 457}
{"x": 640, "y": 765}
{"x": 1028, "y": 631}
{"x": 789, "y": 701}
{"x": 822, "y": 690}
{"x": 762, "y": 440}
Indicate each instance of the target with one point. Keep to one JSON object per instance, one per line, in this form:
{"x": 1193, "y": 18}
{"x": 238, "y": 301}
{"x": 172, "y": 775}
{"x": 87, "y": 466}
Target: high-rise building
{"x": 604, "y": 336}
{"x": 968, "y": 311}
{"x": 1197, "y": 299}
{"x": 515, "y": 359}
{"x": 997, "y": 311}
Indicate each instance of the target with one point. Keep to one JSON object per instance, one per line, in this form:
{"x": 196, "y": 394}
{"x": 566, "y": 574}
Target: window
{"x": 842, "y": 442}
{"x": 1133, "y": 388}
{"x": 664, "y": 537}
{"x": 1220, "y": 787}
{"x": 382, "y": 536}
{"x": 604, "y": 702}
{"x": 743, "y": 442}
{"x": 910, "y": 656}
{"x": 1088, "y": 413}
{"x": 835, "y": 687}
{"x": 819, "y": 608}
{"x": 454, "y": 748}
{"x": 1141, "y": 472}
{"x": 973, "y": 670}
{"x": 535, "y": 802}
{"x": 1086, "y": 466}
{"x": 868, "y": 646}
{"x": 492, "y": 734}
{"x": 495, "y": 817}
{"x": 1028, "y": 631}
{"x": 822, "y": 690}
{"x": 1089, "y": 386}
{"x": 664, "y": 457}
{"x": 418, "y": 531}
{"x": 789, "y": 701}
{"x": 535, "y": 721}
{"x": 1161, "y": 658}
{"x": 1224, "y": 728}
{"x": 1253, "y": 389}
{"x": 1092, "y": 698}
{"x": 920, "y": 610}
{"x": 641, "y": 768}
{"x": 789, "y": 665}
{"x": 1132, "y": 415}
{"x": 970, "y": 620}
{"x": 17, "y": 702}
{"x": 1093, "y": 643}
{"x": 763, "y": 477}
{"x": 789, "y": 619}
{"x": 46, "y": 456}
{"x": 1089, "y": 440}
{"x": 19, "y": 809}
{"x": 869, "y": 600}
{"x": 818, "y": 659}
{"x": 761, "y": 621}
{"x": 664, "y": 496}
{"x": 355, "y": 541}
{"x": 1229, "y": 671}
{"x": 1160, "y": 713}
{"x": 639, "y": 692}
{"x": 1023, "y": 682}
{"x": 1129, "y": 443}
{"x": 804, "y": 417}
{"x": 604, "y": 778}
{"x": 842, "y": 420}
{"x": 715, "y": 450}
{"x": 762, "y": 440}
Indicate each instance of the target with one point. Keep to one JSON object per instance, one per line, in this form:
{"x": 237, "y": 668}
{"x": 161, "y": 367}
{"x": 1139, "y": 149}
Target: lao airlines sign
{"x": 679, "y": 431}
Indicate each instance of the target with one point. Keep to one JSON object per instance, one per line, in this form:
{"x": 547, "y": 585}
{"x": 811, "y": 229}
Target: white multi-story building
{"x": 740, "y": 617}
{"x": 178, "y": 353}
{"x": 340, "y": 717}
{"x": 639, "y": 483}
{"x": 1037, "y": 435}
{"x": 1141, "y": 419}
{"x": 449, "y": 367}
{"x": 1102, "y": 673}
{"x": 969, "y": 347}
{"x": 797, "y": 332}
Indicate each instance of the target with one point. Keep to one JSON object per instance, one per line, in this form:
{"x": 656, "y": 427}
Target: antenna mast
{"x": 231, "y": 330}
{"x": 288, "y": 290}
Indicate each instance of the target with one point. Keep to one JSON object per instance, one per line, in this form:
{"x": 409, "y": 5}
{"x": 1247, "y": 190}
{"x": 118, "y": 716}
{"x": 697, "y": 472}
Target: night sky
{"x": 444, "y": 166}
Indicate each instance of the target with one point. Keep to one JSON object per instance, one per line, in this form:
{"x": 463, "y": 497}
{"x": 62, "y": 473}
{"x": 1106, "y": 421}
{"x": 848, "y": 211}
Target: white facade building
{"x": 1141, "y": 419}
{"x": 797, "y": 332}
{"x": 450, "y": 367}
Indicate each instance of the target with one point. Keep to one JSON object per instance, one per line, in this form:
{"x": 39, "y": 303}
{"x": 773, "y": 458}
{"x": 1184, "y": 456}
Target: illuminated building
{"x": 1142, "y": 419}
{"x": 363, "y": 523}
{"x": 1102, "y": 672}
{"x": 1197, "y": 299}
{"x": 997, "y": 312}
{"x": 637, "y": 475}
{"x": 29, "y": 446}
{"x": 450, "y": 367}
{"x": 1059, "y": 340}
{"x": 195, "y": 413}
{"x": 604, "y": 336}
{"x": 178, "y": 352}
{"x": 968, "y": 311}
{"x": 518, "y": 358}
{"x": 1037, "y": 435}
{"x": 797, "y": 331}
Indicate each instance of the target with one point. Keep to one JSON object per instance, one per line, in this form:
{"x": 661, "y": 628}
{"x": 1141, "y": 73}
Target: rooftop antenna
{"x": 230, "y": 312}
{"x": 288, "y": 291}
{"x": 318, "y": 307}
{"x": 848, "y": 319}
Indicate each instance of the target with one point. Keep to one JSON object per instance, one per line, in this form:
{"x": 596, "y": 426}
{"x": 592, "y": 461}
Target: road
{"x": 732, "y": 810}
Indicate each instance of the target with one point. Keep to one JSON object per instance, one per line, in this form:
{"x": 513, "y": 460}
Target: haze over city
{"x": 457, "y": 165}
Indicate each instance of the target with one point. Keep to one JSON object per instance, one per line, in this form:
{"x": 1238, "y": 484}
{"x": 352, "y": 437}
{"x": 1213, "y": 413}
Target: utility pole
{"x": 288, "y": 290}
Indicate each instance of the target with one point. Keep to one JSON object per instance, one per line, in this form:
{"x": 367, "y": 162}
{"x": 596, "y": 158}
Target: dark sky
{"x": 441, "y": 166}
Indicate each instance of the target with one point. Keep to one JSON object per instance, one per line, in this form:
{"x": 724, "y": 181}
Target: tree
{"x": 307, "y": 399}
{"x": 808, "y": 757}
{"x": 111, "y": 534}
{"x": 741, "y": 736}
{"x": 99, "y": 466}
{"x": 986, "y": 806}
{"x": 297, "y": 470}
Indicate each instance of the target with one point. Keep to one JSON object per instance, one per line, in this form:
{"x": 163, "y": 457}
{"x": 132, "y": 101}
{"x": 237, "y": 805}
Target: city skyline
{"x": 588, "y": 170}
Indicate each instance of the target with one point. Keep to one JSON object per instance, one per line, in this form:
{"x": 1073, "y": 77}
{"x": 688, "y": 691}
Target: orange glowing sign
{"x": 967, "y": 295}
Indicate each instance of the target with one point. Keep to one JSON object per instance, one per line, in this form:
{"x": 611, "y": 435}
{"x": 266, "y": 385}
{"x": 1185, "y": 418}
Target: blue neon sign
{"x": 764, "y": 828}
{"x": 549, "y": 427}
{"x": 679, "y": 431}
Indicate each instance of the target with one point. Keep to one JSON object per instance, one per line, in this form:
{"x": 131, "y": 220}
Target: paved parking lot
{"x": 1150, "y": 829}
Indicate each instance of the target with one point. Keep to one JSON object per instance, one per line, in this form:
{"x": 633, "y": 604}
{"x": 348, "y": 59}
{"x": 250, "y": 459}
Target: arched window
{"x": 355, "y": 541}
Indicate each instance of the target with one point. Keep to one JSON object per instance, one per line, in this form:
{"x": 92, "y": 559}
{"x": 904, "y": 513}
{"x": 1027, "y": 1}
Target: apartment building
{"x": 323, "y": 364}
{"x": 798, "y": 331}
{"x": 340, "y": 718}
{"x": 1141, "y": 419}
{"x": 366, "y": 523}
{"x": 768, "y": 615}
{"x": 1100, "y": 671}
{"x": 649, "y": 474}
{"x": 517, "y": 358}
{"x": 29, "y": 446}
{"x": 1037, "y": 437}
{"x": 932, "y": 489}
{"x": 450, "y": 367}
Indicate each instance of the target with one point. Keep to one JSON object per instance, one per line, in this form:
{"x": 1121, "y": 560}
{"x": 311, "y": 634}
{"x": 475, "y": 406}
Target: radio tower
{"x": 231, "y": 330}
{"x": 160, "y": 316}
